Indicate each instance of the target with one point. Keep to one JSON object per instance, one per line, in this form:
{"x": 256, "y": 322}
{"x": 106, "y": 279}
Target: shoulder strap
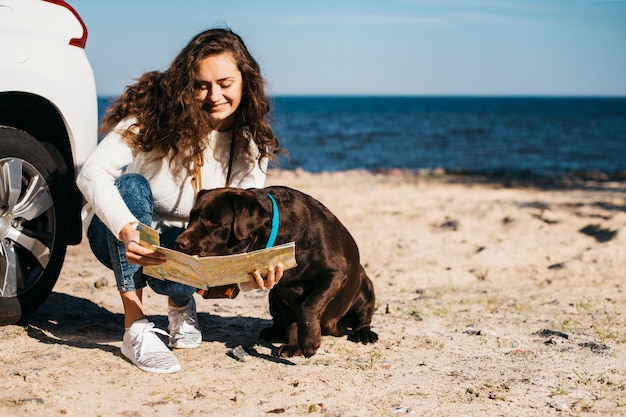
{"x": 230, "y": 158}
{"x": 196, "y": 178}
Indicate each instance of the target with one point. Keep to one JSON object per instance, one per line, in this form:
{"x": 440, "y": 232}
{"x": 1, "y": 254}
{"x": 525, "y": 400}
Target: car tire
{"x": 33, "y": 224}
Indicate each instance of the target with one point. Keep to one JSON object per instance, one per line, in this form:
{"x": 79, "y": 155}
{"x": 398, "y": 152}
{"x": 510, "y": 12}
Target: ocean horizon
{"x": 517, "y": 135}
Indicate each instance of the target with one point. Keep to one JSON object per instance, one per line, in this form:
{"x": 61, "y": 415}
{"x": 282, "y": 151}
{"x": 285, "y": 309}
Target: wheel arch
{"x": 41, "y": 119}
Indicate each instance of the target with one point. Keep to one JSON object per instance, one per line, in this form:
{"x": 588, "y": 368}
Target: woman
{"x": 200, "y": 124}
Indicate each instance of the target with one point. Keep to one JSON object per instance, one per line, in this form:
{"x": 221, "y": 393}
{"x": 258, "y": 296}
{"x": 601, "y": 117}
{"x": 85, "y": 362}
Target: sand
{"x": 493, "y": 299}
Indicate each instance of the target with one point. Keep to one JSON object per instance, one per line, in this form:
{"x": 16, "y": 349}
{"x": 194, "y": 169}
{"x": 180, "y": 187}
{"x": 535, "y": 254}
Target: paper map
{"x": 212, "y": 271}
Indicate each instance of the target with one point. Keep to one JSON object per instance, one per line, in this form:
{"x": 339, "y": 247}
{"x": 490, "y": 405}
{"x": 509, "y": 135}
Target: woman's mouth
{"x": 219, "y": 106}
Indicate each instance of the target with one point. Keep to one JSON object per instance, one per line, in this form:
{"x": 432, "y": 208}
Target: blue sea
{"x": 488, "y": 135}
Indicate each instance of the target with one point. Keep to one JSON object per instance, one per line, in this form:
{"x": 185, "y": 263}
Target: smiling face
{"x": 219, "y": 87}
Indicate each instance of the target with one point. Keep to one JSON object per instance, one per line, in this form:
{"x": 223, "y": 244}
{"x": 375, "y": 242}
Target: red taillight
{"x": 82, "y": 41}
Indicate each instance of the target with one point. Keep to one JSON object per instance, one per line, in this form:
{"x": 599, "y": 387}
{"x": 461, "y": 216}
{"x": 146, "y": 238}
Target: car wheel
{"x": 33, "y": 224}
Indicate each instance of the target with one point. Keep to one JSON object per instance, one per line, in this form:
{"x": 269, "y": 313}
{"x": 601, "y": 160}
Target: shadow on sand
{"x": 72, "y": 321}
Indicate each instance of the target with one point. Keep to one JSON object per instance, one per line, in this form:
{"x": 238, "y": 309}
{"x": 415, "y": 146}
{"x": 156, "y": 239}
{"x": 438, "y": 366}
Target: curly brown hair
{"x": 169, "y": 118}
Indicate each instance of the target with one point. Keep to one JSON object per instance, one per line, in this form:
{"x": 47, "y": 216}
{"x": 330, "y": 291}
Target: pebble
{"x": 31, "y": 400}
{"x": 100, "y": 283}
{"x": 403, "y": 409}
{"x": 239, "y": 354}
{"x": 596, "y": 347}
{"x": 548, "y": 332}
{"x": 559, "y": 405}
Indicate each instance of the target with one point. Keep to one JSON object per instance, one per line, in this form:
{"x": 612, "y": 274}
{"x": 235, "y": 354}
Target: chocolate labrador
{"x": 328, "y": 293}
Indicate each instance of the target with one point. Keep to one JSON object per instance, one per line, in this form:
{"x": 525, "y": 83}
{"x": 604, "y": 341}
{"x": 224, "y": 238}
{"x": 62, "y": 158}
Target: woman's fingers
{"x": 274, "y": 274}
{"x": 137, "y": 254}
{"x": 256, "y": 280}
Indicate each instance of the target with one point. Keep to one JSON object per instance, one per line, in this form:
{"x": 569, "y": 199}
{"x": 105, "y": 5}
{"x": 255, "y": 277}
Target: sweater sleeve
{"x": 96, "y": 180}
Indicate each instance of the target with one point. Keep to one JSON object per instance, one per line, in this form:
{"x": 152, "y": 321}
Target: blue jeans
{"x": 111, "y": 252}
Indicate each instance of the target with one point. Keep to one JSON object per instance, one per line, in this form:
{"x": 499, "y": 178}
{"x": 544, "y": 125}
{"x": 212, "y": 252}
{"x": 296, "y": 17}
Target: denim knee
{"x": 108, "y": 249}
{"x": 137, "y": 194}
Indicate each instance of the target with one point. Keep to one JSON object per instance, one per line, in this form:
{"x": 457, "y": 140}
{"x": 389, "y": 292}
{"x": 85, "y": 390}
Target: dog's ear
{"x": 201, "y": 193}
{"x": 249, "y": 215}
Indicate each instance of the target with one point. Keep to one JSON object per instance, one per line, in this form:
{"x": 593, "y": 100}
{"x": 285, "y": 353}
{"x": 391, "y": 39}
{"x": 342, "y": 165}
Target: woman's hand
{"x": 274, "y": 274}
{"x": 135, "y": 253}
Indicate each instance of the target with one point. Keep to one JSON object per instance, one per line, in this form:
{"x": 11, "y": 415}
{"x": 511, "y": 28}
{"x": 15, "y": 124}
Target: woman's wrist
{"x": 129, "y": 232}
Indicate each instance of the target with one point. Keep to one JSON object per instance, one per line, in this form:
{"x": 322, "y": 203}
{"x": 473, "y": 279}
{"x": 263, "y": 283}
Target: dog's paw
{"x": 310, "y": 345}
{"x": 366, "y": 335}
{"x": 287, "y": 351}
{"x": 273, "y": 335}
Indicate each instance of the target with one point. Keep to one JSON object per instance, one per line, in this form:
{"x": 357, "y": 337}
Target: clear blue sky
{"x": 380, "y": 47}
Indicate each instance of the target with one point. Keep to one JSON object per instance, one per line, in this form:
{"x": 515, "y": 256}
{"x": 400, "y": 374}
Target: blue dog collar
{"x": 275, "y": 223}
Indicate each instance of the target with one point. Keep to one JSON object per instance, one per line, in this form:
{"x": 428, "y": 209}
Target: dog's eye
{"x": 214, "y": 219}
{"x": 210, "y": 221}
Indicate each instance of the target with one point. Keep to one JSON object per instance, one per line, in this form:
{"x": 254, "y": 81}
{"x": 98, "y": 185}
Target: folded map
{"x": 213, "y": 271}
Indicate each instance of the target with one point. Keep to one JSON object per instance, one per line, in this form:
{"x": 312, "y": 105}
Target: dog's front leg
{"x": 311, "y": 310}
{"x": 290, "y": 348}
{"x": 285, "y": 310}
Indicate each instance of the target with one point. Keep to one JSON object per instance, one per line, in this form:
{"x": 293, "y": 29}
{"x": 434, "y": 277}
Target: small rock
{"x": 100, "y": 283}
{"x": 548, "y": 333}
{"x": 403, "y": 409}
{"x": 30, "y": 400}
{"x": 450, "y": 224}
{"x": 559, "y": 405}
{"x": 596, "y": 347}
{"x": 554, "y": 341}
{"x": 239, "y": 354}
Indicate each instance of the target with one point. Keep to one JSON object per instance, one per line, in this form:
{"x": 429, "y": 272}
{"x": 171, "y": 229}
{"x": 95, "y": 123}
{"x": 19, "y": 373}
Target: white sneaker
{"x": 143, "y": 347}
{"x": 183, "y": 326}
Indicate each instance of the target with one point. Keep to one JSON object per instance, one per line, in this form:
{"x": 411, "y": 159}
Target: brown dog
{"x": 326, "y": 294}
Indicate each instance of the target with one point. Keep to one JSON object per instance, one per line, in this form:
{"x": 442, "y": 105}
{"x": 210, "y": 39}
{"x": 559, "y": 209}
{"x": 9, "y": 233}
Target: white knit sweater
{"x": 172, "y": 190}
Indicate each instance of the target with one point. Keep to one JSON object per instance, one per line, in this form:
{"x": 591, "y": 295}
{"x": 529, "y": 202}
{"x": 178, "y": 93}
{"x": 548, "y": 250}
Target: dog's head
{"x": 225, "y": 221}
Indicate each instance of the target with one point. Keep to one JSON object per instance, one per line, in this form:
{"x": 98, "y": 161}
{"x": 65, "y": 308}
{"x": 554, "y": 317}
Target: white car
{"x": 48, "y": 126}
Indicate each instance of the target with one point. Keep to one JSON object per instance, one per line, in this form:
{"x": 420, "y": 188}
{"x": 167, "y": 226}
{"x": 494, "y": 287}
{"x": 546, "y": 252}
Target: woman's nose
{"x": 215, "y": 94}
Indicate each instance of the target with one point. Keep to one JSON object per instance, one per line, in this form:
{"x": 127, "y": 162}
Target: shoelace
{"x": 149, "y": 328}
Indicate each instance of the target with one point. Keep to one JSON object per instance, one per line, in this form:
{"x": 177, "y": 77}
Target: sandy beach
{"x": 494, "y": 298}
